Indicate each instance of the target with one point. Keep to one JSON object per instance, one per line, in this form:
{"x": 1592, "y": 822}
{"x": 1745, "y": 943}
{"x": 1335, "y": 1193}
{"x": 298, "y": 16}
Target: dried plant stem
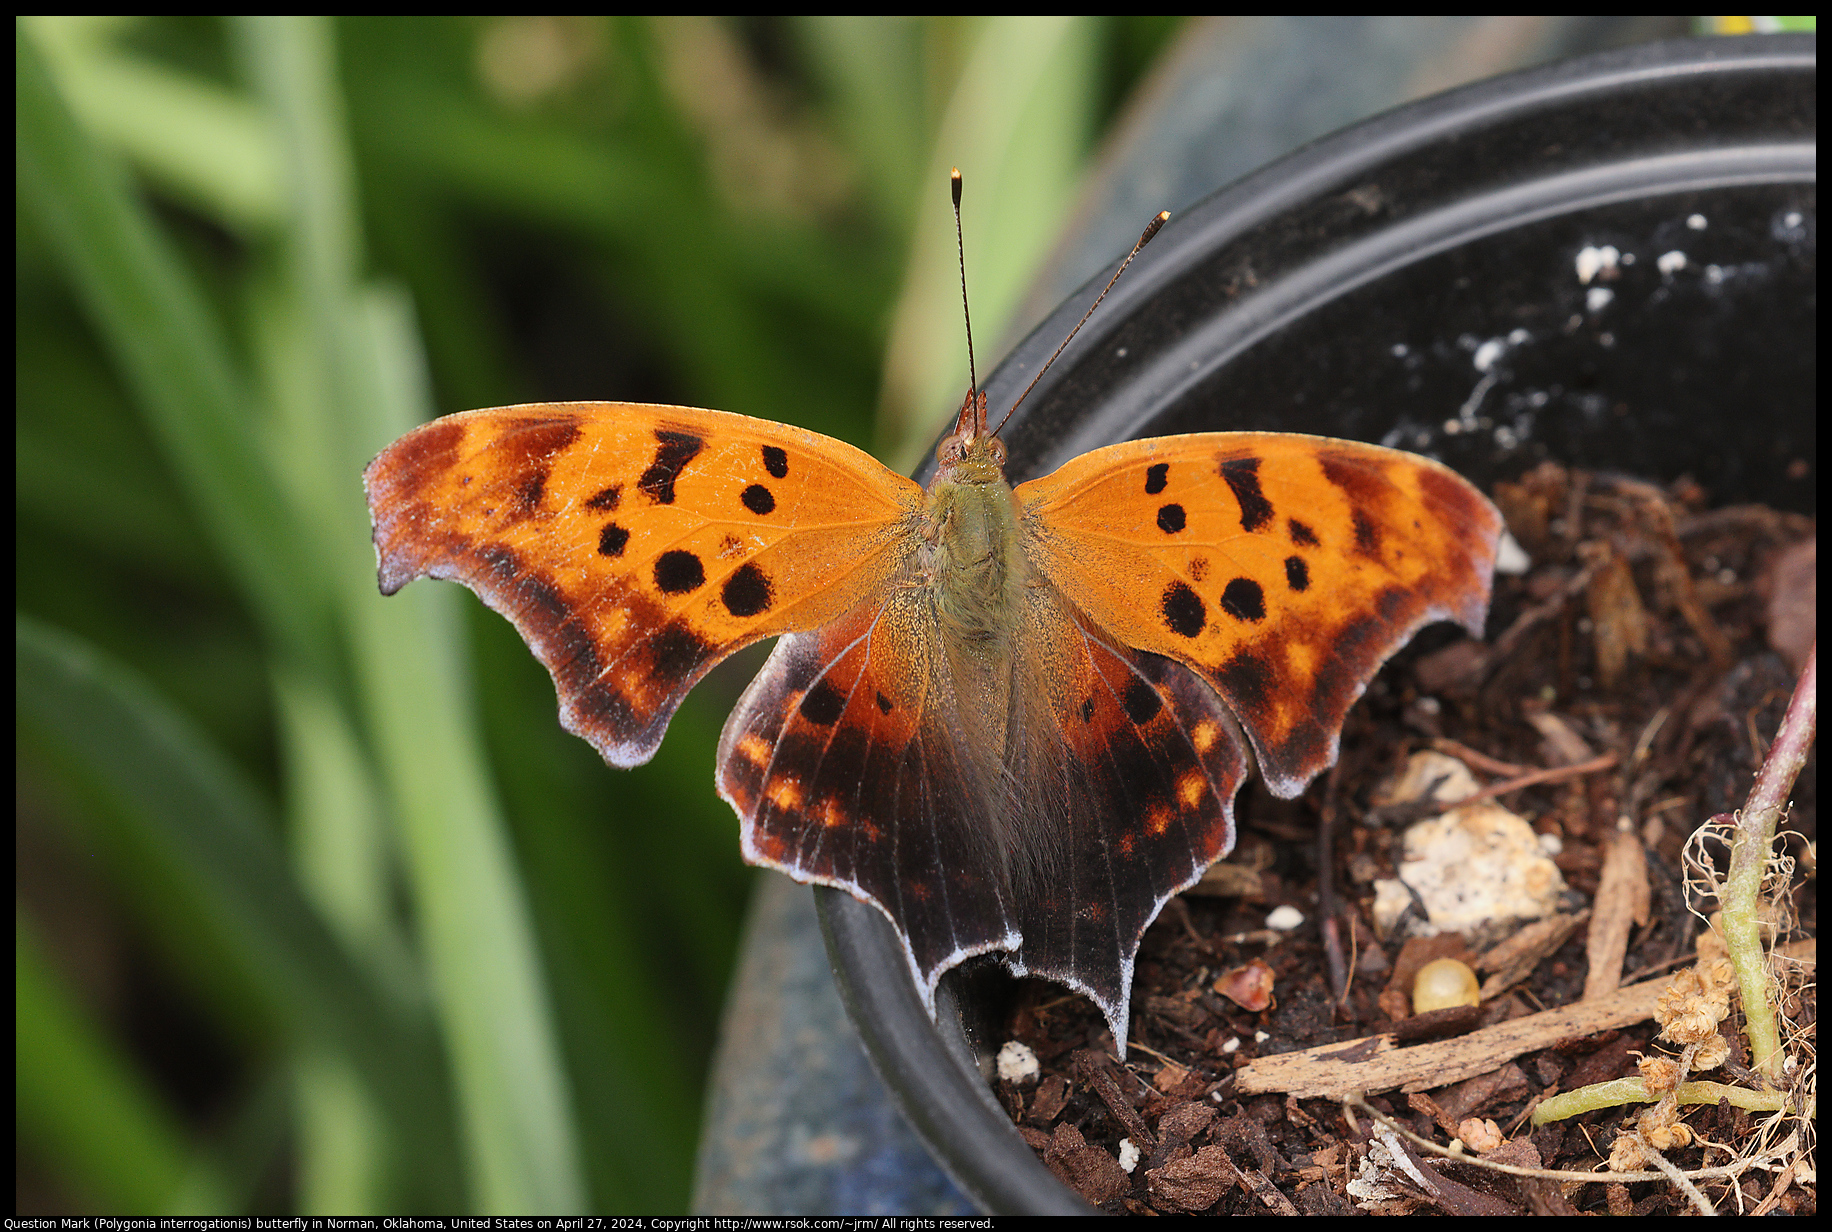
{"x": 1749, "y": 855}
{"x": 1353, "y": 1103}
{"x": 1679, "y": 1179}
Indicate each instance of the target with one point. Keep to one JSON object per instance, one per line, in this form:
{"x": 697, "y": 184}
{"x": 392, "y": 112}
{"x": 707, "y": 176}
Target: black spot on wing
{"x": 529, "y": 489}
{"x": 674, "y": 450}
{"x": 747, "y": 592}
{"x": 1142, "y": 702}
{"x": 606, "y": 499}
{"x": 822, "y": 704}
{"x": 884, "y": 704}
{"x": 1297, "y": 573}
{"x": 675, "y": 652}
{"x": 1184, "y": 611}
{"x": 775, "y": 461}
{"x": 612, "y": 540}
{"x": 1087, "y": 710}
{"x": 1302, "y": 535}
{"x": 1367, "y": 535}
{"x": 1244, "y": 600}
{"x": 678, "y": 572}
{"x": 758, "y": 499}
{"x": 1155, "y": 477}
{"x": 1170, "y": 519}
{"x": 1242, "y": 477}
{"x": 1367, "y": 490}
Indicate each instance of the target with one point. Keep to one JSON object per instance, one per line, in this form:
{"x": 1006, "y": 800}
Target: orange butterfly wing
{"x": 633, "y": 547}
{"x": 1283, "y": 569}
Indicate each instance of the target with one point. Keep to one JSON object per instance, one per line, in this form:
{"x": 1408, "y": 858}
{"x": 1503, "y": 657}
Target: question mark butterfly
{"x": 1012, "y": 719}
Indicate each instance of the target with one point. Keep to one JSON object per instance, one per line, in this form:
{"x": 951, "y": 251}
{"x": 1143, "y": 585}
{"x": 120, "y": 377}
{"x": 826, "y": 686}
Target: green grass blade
{"x": 1018, "y": 126}
{"x": 489, "y": 986}
{"x": 198, "y": 141}
{"x": 146, "y": 307}
{"x": 84, "y": 1106}
{"x": 181, "y": 812}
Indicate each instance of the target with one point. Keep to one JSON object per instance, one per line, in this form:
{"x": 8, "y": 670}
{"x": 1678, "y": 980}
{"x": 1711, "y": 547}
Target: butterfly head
{"x": 971, "y": 454}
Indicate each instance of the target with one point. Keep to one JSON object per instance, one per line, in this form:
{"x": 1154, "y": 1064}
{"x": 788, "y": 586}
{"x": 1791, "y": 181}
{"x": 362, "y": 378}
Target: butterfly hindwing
{"x": 1128, "y": 766}
{"x": 848, "y": 766}
{"x": 1050, "y": 825}
{"x": 632, "y": 546}
{"x": 1283, "y": 569}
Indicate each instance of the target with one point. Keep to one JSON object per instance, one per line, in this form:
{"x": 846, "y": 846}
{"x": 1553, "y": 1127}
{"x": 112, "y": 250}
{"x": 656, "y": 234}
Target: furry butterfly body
{"x": 1014, "y": 720}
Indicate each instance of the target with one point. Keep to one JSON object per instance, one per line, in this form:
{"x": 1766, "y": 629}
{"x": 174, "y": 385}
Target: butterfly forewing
{"x": 633, "y": 546}
{"x": 1284, "y": 569}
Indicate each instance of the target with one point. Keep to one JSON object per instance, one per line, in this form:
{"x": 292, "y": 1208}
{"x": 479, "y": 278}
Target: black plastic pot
{"x": 1417, "y": 280}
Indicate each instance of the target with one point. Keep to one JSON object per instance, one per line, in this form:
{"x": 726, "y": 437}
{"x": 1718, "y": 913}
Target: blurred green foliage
{"x": 318, "y": 909}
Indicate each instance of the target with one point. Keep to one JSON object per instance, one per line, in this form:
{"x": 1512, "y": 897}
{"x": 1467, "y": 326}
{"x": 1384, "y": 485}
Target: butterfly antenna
{"x": 960, "y": 249}
{"x": 1151, "y": 229}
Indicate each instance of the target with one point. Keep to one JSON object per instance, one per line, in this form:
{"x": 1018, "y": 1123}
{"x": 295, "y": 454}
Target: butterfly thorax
{"x": 974, "y": 562}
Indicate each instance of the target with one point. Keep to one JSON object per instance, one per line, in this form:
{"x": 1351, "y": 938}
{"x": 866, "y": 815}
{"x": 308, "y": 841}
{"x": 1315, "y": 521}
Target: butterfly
{"x": 1012, "y": 719}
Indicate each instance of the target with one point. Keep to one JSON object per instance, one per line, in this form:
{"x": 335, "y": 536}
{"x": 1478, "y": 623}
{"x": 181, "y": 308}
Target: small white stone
{"x": 1597, "y": 298}
{"x": 1232, "y": 1045}
{"x": 1696, "y": 222}
{"x": 1472, "y": 869}
{"x": 1017, "y": 1063}
{"x": 1671, "y": 262}
{"x": 1129, "y": 1155}
{"x": 1510, "y": 558}
{"x": 1593, "y": 261}
{"x": 1283, "y": 919}
{"x": 1489, "y": 352}
{"x": 1551, "y": 844}
{"x": 1260, "y": 1037}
